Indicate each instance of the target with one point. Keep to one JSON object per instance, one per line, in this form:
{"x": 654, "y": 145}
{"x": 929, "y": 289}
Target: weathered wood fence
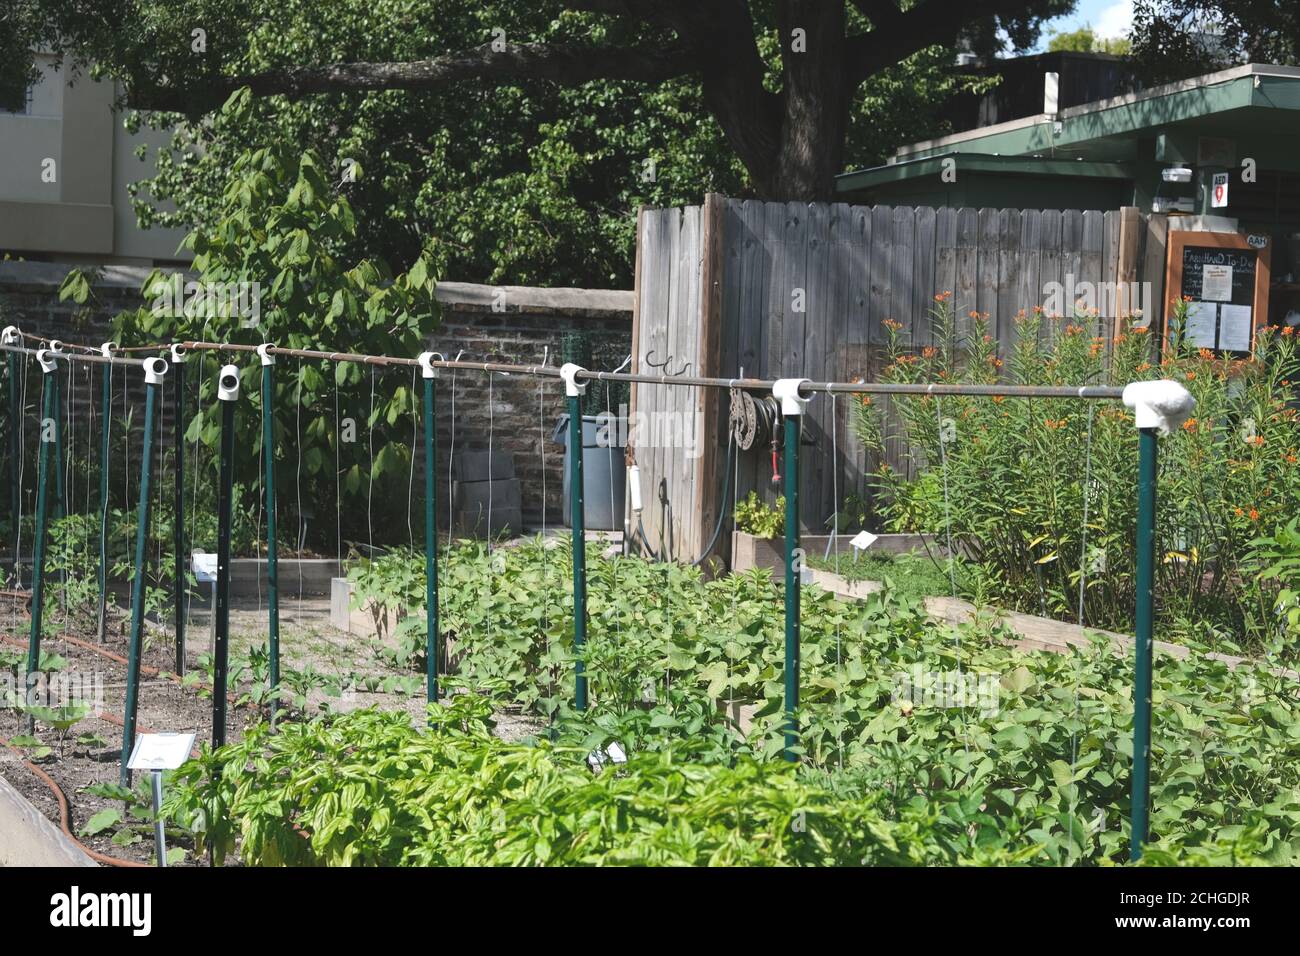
{"x": 772, "y": 290}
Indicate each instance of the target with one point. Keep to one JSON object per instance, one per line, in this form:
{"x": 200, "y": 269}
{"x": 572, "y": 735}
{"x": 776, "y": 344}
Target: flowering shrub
{"x": 1016, "y": 470}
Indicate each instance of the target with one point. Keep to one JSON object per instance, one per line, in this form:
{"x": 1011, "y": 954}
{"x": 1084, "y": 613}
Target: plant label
{"x": 204, "y": 566}
{"x": 160, "y": 751}
{"x": 863, "y": 540}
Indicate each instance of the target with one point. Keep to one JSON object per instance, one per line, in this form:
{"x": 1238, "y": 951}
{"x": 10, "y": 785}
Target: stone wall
{"x": 509, "y": 324}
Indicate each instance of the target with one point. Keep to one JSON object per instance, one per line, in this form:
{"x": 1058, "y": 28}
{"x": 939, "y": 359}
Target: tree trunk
{"x": 815, "y": 98}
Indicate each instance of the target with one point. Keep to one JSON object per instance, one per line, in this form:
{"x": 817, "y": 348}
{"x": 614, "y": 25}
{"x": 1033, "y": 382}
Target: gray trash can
{"x": 604, "y": 477}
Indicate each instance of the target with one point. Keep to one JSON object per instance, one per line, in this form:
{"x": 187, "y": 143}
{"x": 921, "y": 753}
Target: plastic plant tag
{"x": 160, "y": 751}
{"x": 863, "y": 540}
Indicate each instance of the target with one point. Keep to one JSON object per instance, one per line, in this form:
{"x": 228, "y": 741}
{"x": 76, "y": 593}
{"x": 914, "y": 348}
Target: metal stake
{"x": 154, "y": 370}
{"x": 227, "y": 394}
{"x": 574, "y": 390}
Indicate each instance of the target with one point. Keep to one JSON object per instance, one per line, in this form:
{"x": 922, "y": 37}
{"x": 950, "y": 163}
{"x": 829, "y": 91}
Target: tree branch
{"x": 926, "y": 24}
{"x": 566, "y": 64}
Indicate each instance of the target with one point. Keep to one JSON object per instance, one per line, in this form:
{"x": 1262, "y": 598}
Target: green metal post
{"x": 155, "y": 368}
{"x": 793, "y": 566}
{"x": 433, "y": 637}
{"x": 14, "y": 427}
{"x": 106, "y": 415}
{"x": 1144, "y": 625}
{"x": 227, "y": 395}
{"x": 49, "y": 409}
{"x": 272, "y": 571}
{"x": 574, "y": 392}
{"x": 180, "y": 584}
{"x": 60, "y": 498}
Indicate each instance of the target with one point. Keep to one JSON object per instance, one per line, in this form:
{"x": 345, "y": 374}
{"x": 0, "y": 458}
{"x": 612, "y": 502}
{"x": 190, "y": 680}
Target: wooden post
{"x": 1126, "y": 267}
{"x": 709, "y": 401}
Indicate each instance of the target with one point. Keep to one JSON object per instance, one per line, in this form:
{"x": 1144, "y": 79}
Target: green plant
{"x": 1277, "y": 557}
{"x": 754, "y": 516}
{"x": 1013, "y": 469}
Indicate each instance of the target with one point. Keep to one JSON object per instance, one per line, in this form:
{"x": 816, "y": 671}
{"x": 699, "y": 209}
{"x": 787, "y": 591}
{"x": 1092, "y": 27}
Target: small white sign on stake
{"x": 160, "y": 751}
{"x": 863, "y": 540}
{"x": 204, "y": 566}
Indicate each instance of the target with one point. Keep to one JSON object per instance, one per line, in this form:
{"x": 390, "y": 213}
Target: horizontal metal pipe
{"x": 93, "y": 358}
{"x": 1084, "y": 392}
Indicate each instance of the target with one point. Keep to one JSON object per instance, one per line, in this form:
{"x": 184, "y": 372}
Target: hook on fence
{"x": 665, "y": 366}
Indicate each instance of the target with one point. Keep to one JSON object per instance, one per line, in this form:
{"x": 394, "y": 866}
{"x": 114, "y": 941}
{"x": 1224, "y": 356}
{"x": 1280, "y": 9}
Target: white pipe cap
{"x": 1163, "y": 404}
{"x": 46, "y": 358}
{"x": 107, "y": 349}
{"x": 10, "y": 335}
{"x": 154, "y": 370}
{"x": 572, "y": 387}
{"x": 787, "y": 392}
{"x": 228, "y": 384}
{"x": 267, "y": 359}
{"x": 179, "y": 354}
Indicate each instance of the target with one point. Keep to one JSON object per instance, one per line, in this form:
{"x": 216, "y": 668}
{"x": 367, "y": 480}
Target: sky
{"x": 1108, "y": 18}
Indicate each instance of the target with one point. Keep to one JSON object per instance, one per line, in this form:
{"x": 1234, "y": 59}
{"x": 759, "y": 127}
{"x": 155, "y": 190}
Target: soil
{"x": 89, "y": 753}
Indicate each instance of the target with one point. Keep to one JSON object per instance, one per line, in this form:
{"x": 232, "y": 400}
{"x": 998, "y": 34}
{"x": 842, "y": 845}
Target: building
{"x": 66, "y": 161}
{"x": 1113, "y": 152}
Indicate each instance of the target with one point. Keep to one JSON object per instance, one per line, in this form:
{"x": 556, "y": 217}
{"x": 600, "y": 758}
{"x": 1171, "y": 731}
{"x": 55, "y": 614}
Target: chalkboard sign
{"x": 1241, "y": 262}
{"x": 1224, "y": 278}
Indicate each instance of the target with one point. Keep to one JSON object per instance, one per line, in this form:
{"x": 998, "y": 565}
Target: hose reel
{"x": 755, "y": 423}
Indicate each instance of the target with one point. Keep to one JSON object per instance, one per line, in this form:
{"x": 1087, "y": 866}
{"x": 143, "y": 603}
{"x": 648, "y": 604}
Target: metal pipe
{"x": 272, "y": 550}
{"x": 153, "y": 382}
{"x": 106, "y": 413}
{"x": 228, "y": 394}
{"x": 95, "y": 359}
{"x": 1144, "y": 616}
{"x": 38, "y": 554}
{"x": 577, "y": 519}
{"x": 432, "y": 636}
{"x": 15, "y": 410}
{"x": 793, "y": 569}
{"x": 180, "y": 586}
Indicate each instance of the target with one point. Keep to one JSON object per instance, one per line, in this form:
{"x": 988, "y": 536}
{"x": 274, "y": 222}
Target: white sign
{"x": 204, "y": 566}
{"x": 863, "y": 540}
{"x": 160, "y": 751}
{"x": 1216, "y": 283}
{"x": 1235, "y": 328}
{"x": 1257, "y": 242}
{"x": 1202, "y": 318}
{"x": 1219, "y": 190}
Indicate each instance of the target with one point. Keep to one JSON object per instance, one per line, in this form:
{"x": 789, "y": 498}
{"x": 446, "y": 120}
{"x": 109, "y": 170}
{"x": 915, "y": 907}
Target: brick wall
{"x": 499, "y": 324}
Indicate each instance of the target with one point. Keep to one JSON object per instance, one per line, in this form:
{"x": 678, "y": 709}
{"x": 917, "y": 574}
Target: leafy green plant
{"x": 1013, "y": 469}
{"x": 754, "y": 516}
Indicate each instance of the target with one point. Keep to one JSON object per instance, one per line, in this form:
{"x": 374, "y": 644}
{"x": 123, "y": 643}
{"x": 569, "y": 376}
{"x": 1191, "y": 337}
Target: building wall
{"x": 83, "y": 212}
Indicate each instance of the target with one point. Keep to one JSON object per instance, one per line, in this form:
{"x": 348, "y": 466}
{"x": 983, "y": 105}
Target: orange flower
{"x": 999, "y": 399}
{"x": 1289, "y": 330}
{"x": 929, "y": 351}
{"x": 943, "y": 296}
{"x": 1144, "y": 367}
{"x": 892, "y": 324}
{"x": 1191, "y": 376}
{"x": 866, "y": 399}
{"x": 1258, "y": 441}
{"x": 1254, "y": 515}
{"x": 1189, "y": 425}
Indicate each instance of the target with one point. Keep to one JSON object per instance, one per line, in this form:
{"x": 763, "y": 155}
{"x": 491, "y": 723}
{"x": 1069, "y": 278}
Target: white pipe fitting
{"x": 634, "y": 487}
{"x": 228, "y": 384}
{"x": 264, "y": 355}
{"x": 46, "y": 358}
{"x": 1163, "y": 405}
{"x": 154, "y": 370}
{"x": 107, "y": 349}
{"x": 427, "y": 368}
{"x": 788, "y": 392}
{"x": 179, "y": 355}
{"x": 572, "y": 387}
{"x": 10, "y": 335}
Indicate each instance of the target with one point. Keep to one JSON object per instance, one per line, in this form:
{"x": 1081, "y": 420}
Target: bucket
{"x": 604, "y": 478}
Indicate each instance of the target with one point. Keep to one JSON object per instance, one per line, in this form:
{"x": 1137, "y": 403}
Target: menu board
{"x": 1225, "y": 277}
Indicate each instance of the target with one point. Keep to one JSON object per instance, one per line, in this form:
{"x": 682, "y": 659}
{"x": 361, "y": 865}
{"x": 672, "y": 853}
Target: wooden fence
{"x": 803, "y": 290}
